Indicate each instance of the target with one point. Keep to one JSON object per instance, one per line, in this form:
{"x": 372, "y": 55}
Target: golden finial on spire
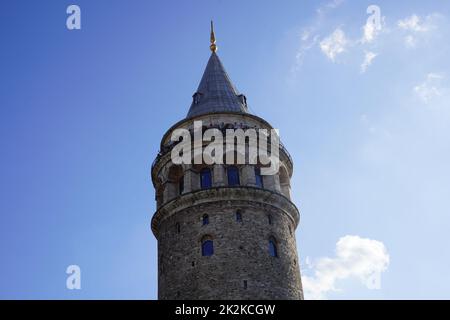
{"x": 213, "y": 46}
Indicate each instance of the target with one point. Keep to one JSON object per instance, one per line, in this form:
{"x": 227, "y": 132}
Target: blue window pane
{"x": 233, "y": 176}
{"x": 205, "y": 179}
{"x": 207, "y": 248}
{"x": 273, "y": 249}
{"x": 205, "y": 219}
{"x": 259, "y": 179}
{"x": 238, "y": 216}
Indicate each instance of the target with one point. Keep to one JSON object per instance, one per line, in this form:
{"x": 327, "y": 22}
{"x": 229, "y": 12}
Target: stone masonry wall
{"x": 241, "y": 253}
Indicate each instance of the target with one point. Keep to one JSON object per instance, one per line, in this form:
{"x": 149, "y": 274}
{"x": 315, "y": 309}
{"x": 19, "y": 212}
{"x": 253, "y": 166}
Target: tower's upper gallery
{"x": 216, "y": 92}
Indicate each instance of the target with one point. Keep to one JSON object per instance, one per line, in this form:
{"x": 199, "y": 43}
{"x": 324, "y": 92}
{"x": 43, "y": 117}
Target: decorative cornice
{"x": 253, "y": 195}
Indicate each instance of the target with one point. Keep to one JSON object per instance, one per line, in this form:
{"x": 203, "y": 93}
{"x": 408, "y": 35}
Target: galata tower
{"x": 224, "y": 231}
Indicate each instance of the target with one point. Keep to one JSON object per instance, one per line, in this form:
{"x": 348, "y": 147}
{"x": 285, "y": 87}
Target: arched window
{"x": 207, "y": 247}
{"x": 273, "y": 251}
{"x": 205, "y": 178}
{"x": 259, "y": 178}
{"x": 178, "y": 228}
{"x": 233, "y": 176}
{"x": 269, "y": 219}
{"x": 238, "y": 216}
{"x": 181, "y": 185}
{"x": 205, "y": 219}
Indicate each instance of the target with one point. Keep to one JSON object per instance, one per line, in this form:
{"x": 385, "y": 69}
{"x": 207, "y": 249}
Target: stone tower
{"x": 224, "y": 231}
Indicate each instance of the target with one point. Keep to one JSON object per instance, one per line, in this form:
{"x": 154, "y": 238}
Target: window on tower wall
{"x": 259, "y": 178}
{"x": 205, "y": 219}
{"x": 205, "y": 178}
{"x": 181, "y": 185}
{"x": 238, "y": 216}
{"x": 273, "y": 251}
{"x": 233, "y": 176}
{"x": 207, "y": 247}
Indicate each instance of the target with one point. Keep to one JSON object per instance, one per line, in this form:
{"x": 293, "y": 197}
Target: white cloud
{"x": 370, "y": 31}
{"x": 356, "y": 257}
{"x": 417, "y": 26}
{"x": 372, "y": 28}
{"x": 334, "y": 44}
{"x": 410, "y": 41}
{"x": 368, "y": 58}
{"x": 307, "y": 44}
{"x": 309, "y": 37}
{"x": 305, "y": 35}
{"x": 413, "y": 23}
{"x": 430, "y": 88}
{"x": 409, "y": 31}
{"x": 323, "y": 9}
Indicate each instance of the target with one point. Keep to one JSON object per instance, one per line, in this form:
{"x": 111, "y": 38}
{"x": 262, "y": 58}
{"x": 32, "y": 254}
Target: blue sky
{"x": 82, "y": 113}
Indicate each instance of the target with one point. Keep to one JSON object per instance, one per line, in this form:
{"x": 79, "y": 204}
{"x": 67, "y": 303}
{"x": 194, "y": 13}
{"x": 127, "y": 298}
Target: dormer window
{"x": 196, "y": 97}
{"x": 243, "y": 100}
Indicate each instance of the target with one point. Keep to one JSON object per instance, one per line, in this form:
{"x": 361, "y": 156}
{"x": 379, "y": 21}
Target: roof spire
{"x": 213, "y": 46}
{"x": 216, "y": 93}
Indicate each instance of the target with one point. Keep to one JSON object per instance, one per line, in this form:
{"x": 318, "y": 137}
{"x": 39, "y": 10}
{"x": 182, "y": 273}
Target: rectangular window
{"x": 181, "y": 185}
{"x": 207, "y": 248}
{"x": 259, "y": 178}
{"x": 205, "y": 179}
{"x": 233, "y": 176}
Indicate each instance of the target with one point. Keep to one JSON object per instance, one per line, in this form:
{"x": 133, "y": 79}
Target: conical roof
{"x": 216, "y": 92}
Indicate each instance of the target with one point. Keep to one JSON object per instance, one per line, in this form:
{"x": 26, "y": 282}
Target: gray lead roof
{"x": 215, "y": 92}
